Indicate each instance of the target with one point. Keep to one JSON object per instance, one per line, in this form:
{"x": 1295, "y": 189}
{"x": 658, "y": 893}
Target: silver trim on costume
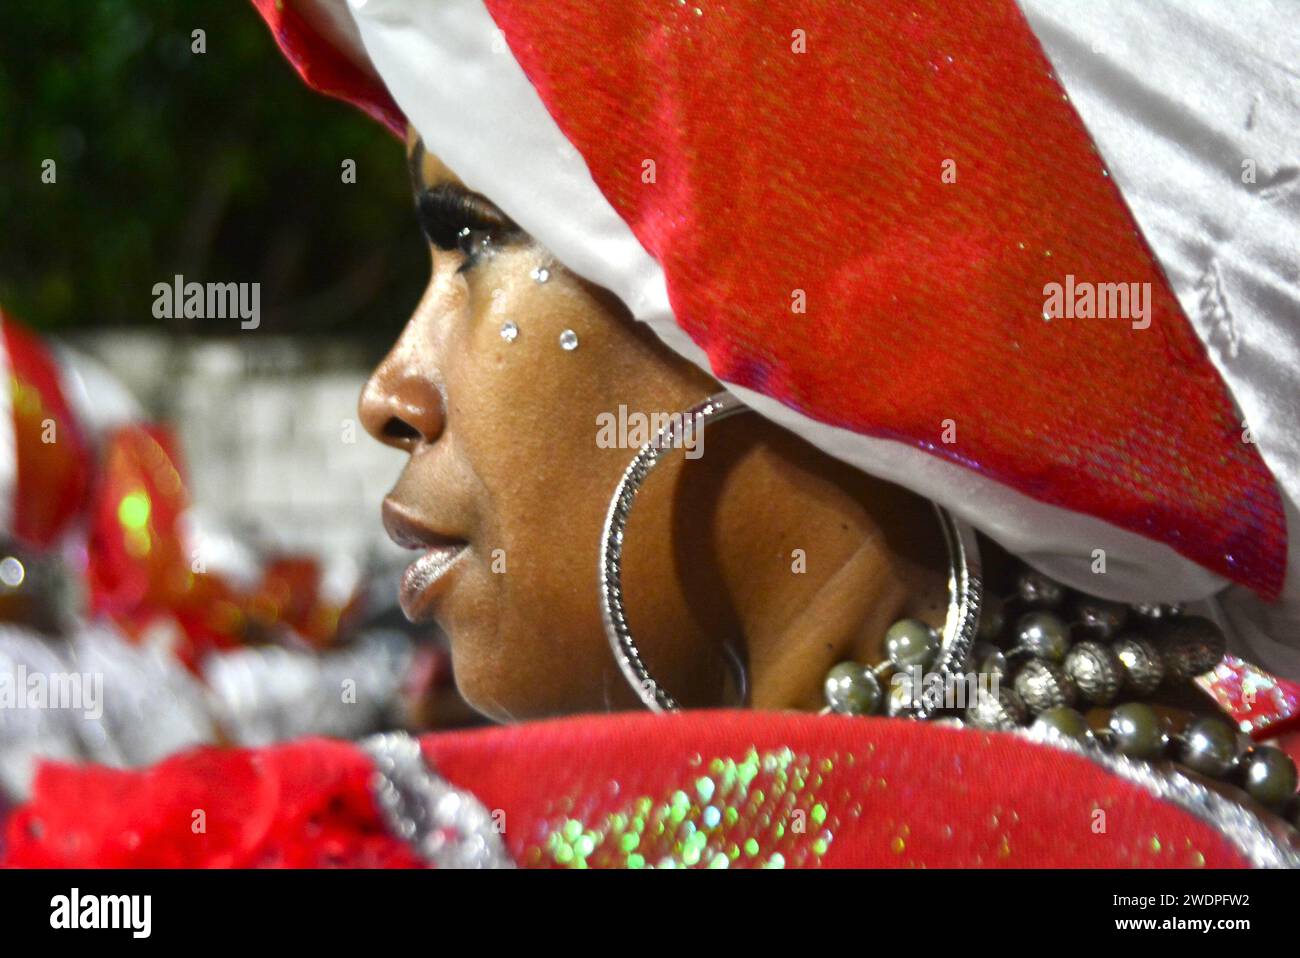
{"x": 1262, "y": 845}
{"x": 965, "y": 588}
{"x": 444, "y": 825}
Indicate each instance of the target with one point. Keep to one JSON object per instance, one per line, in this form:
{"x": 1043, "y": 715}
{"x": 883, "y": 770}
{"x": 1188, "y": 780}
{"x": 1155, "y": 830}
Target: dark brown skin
{"x": 502, "y": 451}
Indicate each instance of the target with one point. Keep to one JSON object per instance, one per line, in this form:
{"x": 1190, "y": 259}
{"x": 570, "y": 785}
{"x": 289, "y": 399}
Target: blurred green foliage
{"x": 222, "y": 166}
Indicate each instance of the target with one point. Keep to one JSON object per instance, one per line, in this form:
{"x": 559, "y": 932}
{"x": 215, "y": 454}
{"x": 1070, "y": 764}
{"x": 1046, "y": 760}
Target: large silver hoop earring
{"x": 965, "y": 584}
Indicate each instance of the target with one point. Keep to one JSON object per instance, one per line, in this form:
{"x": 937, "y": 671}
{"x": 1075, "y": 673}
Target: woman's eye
{"x": 472, "y": 243}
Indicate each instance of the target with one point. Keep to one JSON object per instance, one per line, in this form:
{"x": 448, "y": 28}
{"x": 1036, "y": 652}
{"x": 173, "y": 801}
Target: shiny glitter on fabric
{"x": 779, "y": 790}
{"x": 696, "y": 790}
{"x": 1261, "y": 704}
{"x": 761, "y": 811}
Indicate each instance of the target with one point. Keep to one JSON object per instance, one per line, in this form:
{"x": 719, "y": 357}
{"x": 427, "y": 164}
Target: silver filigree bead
{"x": 1190, "y": 646}
{"x": 1144, "y": 667}
{"x": 1043, "y": 685}
{"x": 1036, "y": 589}
{"x": 1095, "y": 671}
{"x": 1002, "y": 711}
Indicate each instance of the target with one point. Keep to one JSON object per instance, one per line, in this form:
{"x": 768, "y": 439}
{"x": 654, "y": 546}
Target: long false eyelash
{"x": 450, "y": 217}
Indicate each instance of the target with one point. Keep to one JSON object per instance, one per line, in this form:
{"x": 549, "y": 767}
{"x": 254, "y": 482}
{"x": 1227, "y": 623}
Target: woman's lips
{"x": 418, "y": 581}
{"x": 425, "y": 578}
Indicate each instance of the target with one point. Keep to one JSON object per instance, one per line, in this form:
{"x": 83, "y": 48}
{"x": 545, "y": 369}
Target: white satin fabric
{"x": 450, "y": 71}
{"x": 1195, "y": 106}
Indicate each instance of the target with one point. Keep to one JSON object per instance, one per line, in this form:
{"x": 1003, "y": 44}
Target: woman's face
{"x": 505, "y": 489}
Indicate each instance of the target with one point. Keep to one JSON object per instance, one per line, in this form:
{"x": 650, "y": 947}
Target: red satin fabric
{"x": 326, "y": 70}
{"x": 821, "y": 171}
{"x": 779, "y": 171}
{"x": 868, "y": 792}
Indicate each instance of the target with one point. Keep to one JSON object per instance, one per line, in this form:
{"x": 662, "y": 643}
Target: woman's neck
{"x": 821, "y": 560}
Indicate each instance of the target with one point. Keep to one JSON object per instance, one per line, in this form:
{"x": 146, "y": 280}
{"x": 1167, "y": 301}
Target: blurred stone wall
{"x": 270, "y": 433}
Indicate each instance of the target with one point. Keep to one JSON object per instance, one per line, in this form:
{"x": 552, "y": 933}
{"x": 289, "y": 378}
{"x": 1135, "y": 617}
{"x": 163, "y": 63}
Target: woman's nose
{"x": 401, "y": 409}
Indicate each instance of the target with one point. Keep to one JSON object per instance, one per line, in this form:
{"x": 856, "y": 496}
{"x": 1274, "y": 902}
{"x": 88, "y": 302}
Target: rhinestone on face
{"x": 1036, "y": 589}
{"x": 1043, "y": 685}
{"x": 852, "y": 689}
{"x": 910, "y": 642}
{"x": 1043, "y": 635}
{"x": 1003, "y": 711}
{"x": 540, "y": 274}
{"x": 1100, "y": 618}
{"x": 1095, "y": 672}
{"x": 509, "y": 331}
{"x": 1137, "y": 731}
{"x": 1209, "y": 746}
{"x": 1270, "y": 775}
{"x": 1190, "y": 645}
{"x": 1144, "y": 668}
{"x": 568, "y": 340}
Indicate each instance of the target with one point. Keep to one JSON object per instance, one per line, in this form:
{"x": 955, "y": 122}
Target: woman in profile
{"x": 917, "y": 493}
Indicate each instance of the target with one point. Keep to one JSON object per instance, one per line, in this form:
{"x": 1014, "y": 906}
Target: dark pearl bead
{"x": 910, "y": 642}
{"x": 1100, "y": 618}
{"x": 852, "y": 689}
{"x": 1209, "y": 746}
{"x": 1043, "y": 635}
{"x": 1065, "y": 721}
{"x": 1137, "y": 731}
{"x": 1270, "y": 775}
{"x": 1036, "y": 589}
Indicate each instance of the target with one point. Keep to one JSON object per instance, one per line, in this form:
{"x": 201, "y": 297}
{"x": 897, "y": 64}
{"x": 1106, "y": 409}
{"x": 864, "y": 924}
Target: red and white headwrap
{"x": 915, "y": 176}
